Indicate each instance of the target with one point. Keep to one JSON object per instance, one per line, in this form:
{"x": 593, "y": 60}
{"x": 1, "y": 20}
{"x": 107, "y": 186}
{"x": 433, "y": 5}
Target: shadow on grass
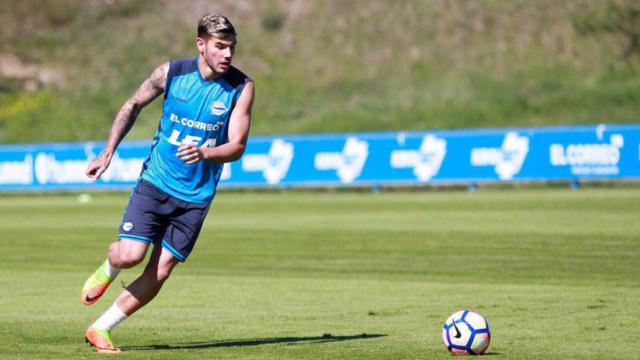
{"x": 254, "y": 342}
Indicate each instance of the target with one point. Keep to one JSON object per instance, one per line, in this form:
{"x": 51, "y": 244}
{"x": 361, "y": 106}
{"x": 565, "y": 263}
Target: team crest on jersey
{"x": 218, "y": 108}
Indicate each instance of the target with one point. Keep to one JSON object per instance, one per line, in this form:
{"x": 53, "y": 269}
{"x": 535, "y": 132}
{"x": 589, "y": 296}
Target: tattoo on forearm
{"x": 122, "y": 124}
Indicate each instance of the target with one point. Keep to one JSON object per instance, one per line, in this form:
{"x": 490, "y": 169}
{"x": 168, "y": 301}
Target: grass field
{"x": 336, "y": 275}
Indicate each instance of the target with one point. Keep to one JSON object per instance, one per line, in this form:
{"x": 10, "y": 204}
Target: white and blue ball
{"x": 466, "y": 333}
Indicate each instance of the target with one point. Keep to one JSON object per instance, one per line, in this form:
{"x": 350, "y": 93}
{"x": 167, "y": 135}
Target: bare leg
{"x": 147, "y": 286}
{"x": 123, "y": 254}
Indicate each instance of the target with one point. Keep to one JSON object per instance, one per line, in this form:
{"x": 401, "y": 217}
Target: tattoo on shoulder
{"x": 159, "y": 75}
{"x": 153, "y": 85}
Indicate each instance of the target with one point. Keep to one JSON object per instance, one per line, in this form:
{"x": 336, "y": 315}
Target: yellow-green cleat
{"x": 95, "y": 286}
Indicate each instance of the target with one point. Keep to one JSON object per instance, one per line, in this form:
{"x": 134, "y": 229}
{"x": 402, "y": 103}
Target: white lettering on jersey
{"x": 194, "y": 124}
{"x": 174, "y": 139}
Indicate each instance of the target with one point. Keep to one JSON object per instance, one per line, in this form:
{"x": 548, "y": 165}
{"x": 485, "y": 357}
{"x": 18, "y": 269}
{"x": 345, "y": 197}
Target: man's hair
{"x": 215, "y": 25}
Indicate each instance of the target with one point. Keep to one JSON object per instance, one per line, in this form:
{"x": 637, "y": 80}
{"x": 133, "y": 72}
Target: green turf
{"x": 556, "y": 272}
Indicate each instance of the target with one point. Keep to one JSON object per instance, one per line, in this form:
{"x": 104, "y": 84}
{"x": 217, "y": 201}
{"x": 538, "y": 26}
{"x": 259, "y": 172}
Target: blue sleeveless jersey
{"x": 195, "y": 111}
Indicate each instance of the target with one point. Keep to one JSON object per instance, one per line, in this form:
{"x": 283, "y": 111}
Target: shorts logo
{"x": 127, "y": 226}
{"x": 218, "y": 108}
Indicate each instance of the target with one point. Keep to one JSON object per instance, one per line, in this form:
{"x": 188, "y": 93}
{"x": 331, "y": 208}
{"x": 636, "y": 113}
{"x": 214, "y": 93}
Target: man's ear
{"x": 201, "y": 44}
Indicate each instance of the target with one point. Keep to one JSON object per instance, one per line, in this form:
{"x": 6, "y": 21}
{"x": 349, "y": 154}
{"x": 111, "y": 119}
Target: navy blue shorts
{"x": 155, "y": 216}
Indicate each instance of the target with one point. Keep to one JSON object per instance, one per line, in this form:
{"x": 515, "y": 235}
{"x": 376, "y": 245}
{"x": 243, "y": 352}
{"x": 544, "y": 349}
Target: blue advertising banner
{"x": 598, "y": 152}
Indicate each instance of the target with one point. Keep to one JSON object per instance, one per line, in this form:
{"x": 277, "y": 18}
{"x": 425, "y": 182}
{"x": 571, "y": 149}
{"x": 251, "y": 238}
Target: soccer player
{"x": 205, "y": 123}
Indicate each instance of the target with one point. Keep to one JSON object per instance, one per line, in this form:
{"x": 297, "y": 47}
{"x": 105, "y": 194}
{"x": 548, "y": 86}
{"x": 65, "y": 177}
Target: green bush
{"x": 336, "y": 66}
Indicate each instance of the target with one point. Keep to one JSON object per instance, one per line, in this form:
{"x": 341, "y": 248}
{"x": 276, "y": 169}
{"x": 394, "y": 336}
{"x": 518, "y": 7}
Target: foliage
{"x": 327, "y": 66}
{"x": 618, "y": 17}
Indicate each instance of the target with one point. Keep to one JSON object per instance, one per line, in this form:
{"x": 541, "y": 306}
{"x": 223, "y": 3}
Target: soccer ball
{"x": 466, "y": 333}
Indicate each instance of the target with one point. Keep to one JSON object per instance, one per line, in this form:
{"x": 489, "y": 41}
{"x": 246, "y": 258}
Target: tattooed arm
{"x": 148, "y": 90}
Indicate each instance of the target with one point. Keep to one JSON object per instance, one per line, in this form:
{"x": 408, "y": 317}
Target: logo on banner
{"x": 226, "y": 172}
{"x": 49, "y": 169}
{"x": 17, "y": 172}
{"x": 425, "y": 161}
{"x": 507, "y": 159}
{"x": 589, "y": 159}
{"x": 274, "y": 165}
{"x": 348, "y": 163}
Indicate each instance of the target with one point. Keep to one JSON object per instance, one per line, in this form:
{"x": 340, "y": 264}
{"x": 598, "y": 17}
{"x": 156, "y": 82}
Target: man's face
{"x": 217, "y": 52}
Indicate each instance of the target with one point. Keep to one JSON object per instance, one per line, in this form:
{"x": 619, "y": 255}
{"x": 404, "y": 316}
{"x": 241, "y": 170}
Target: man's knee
{"x": 157, "y": 274}
{"x": 126, "y": 254}
{"x": 163, "y": 273}
{"x": 160, "y": 271}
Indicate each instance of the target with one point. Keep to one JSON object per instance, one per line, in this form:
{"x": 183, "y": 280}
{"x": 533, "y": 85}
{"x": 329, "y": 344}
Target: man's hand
{"x": 97, "y": 166}
{"x": 190, "y": 154}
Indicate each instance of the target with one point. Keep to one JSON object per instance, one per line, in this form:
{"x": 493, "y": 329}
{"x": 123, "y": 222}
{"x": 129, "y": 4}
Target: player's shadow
{"x": 326, "y": 338}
